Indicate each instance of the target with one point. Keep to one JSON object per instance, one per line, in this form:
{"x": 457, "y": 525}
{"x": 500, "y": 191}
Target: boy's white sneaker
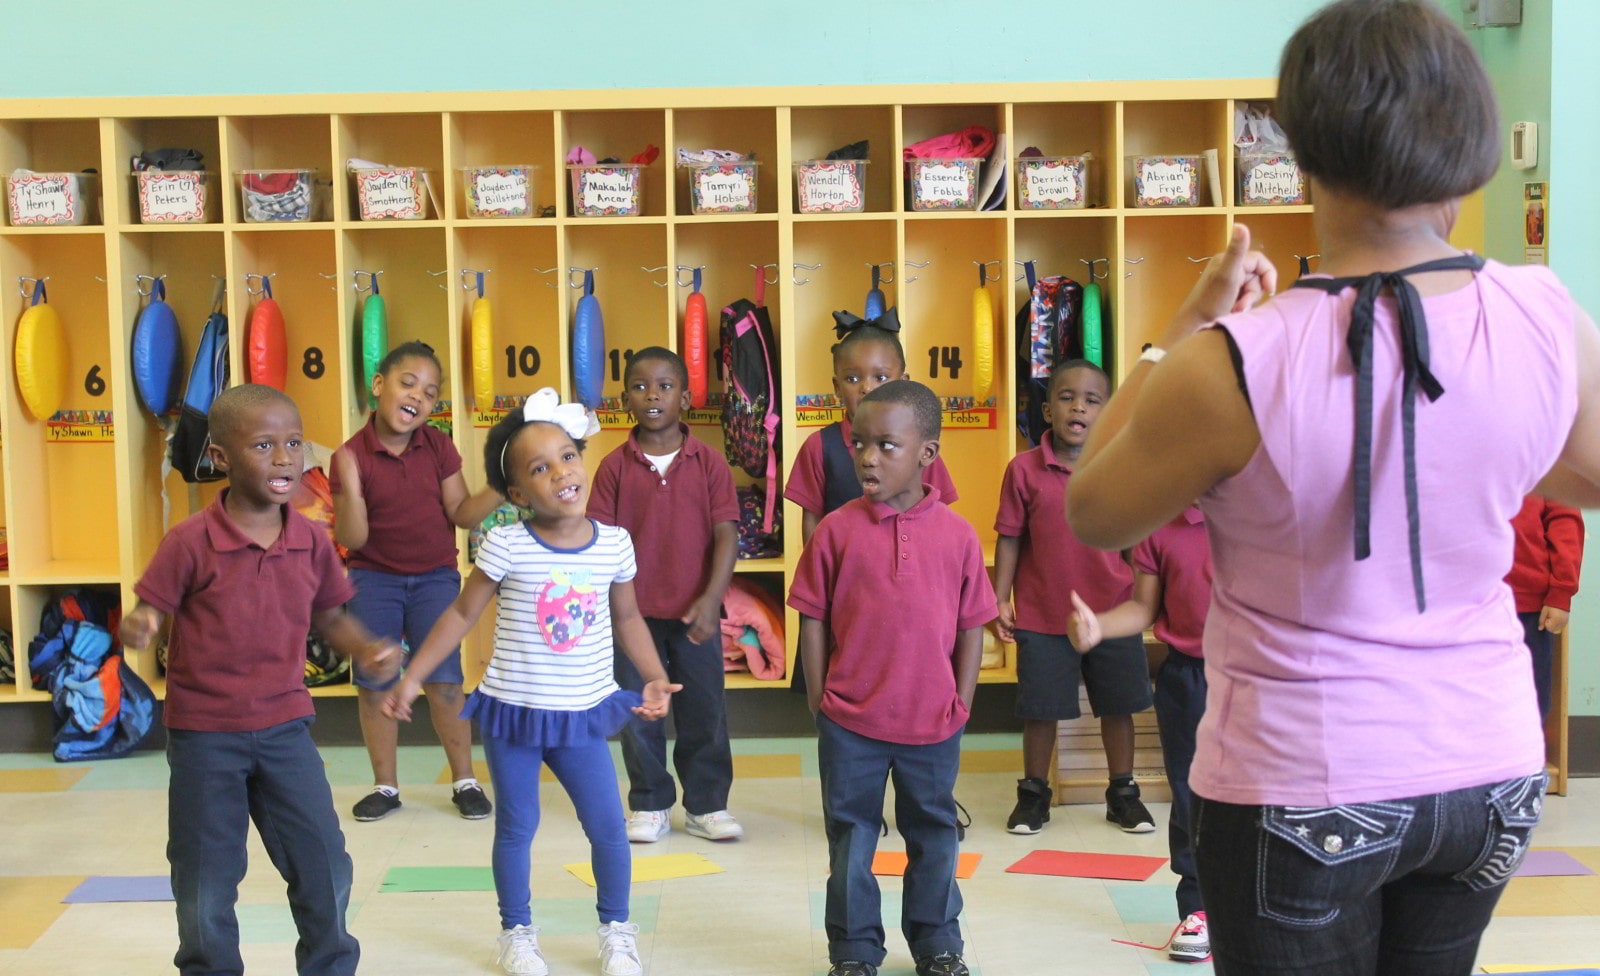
{"x": 519, "y": 952}
{"x": 619, "y": 949}
{"x": 718, "y": 825}
{"x": 649, "y": 826}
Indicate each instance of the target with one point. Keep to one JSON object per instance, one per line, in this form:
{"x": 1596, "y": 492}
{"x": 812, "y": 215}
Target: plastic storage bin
{"x": 606, "y": 189}
{"x": 1167, "y": 181}
{"x": 279, "y": 195}
{"x": 1053, "y": 182}
{"x": 178, "y": 196}
{"x": 391, "y": 192}
{"x": 942, "y": 184}
{"x": 499, "y": 191}
{"x": 1267, "y": 180}
{"x": 830, "y": 185}
{"x": 51, "y": 199}
{"x": 719, "y": 188}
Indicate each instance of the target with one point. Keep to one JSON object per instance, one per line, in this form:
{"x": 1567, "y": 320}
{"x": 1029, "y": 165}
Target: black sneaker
{"x": 1033, "y": 807}
{"x": 472, "y": 803}
{"x": 852, "y": 967}
{"x": 376, "y": 805}
{"x": 942, "y": 964}
{"x": 1124, "y": 809}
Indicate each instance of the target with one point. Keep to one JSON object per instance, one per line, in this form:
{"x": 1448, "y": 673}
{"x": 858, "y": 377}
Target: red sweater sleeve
{"x": 1563, "y": 534}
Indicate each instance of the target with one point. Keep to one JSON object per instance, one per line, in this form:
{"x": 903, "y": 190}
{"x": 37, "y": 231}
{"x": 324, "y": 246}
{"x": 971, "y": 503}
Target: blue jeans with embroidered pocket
{"x": 1402, "y": 886}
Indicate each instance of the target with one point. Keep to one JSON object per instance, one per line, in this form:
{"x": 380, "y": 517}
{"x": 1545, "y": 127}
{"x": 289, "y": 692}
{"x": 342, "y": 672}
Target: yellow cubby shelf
{"x": 93, "y": 513}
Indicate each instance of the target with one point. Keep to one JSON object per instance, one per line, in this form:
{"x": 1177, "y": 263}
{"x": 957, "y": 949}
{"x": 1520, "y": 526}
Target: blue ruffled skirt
{"x": 546, "y": 727}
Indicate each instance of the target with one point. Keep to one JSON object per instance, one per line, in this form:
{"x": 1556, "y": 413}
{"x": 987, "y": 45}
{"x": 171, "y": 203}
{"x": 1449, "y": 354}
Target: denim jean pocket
{"x": 1513, "y": 809}
{"x": 1313, "y": 859}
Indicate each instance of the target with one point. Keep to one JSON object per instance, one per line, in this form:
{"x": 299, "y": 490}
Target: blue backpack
{"x": 208, "y": 376}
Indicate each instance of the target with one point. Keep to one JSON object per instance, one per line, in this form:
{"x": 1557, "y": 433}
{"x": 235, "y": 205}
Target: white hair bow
{"x": 545, "y": 406}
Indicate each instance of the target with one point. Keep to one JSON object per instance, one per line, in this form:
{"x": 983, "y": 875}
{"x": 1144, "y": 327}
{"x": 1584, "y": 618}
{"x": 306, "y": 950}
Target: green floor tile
{"x": 273, "y": 923}
{"x": 1139, "y": 903}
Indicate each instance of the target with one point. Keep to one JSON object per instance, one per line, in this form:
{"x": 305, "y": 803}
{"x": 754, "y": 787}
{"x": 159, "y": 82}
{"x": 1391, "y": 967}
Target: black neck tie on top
{"x": 1414, "y": 364}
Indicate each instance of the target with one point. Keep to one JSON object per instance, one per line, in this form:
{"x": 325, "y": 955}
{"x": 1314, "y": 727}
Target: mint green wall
{"x": 1545, "y": 71}
{"x": 226, "y": 47}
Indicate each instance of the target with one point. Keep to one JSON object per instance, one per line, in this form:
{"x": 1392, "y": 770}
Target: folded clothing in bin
{"x": 276, "y": 195}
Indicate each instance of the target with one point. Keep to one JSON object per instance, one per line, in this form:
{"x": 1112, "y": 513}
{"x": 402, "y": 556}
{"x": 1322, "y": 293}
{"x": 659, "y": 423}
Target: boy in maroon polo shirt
{"x": 1038, "y": 553}
{"x": 674, "y": 495}
{"x": 890, "y": 690}
{"x": 1172, "y": 590}
{"x": 245, "y": 581}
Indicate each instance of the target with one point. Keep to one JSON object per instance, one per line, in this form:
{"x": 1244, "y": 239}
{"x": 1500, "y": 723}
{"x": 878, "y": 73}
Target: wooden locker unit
{"x": 93, "y": 513}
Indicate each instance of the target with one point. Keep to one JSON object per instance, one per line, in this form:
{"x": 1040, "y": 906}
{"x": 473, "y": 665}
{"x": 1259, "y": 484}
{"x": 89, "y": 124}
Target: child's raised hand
{"x": 398, "y": 703}
{"x": 139, "y": 627}
{"x": 704, "y": 618}
{"x": 349, "y": 472}
{"x": 1083, "y": 627}
{"x": 1005, "y": 625}
{"x": 657, "y": 695}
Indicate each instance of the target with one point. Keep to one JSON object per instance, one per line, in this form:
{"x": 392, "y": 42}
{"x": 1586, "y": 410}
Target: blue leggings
{"x": 587, "y": 774}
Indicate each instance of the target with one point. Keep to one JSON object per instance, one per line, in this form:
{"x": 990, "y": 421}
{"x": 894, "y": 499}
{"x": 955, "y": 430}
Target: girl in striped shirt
{"x": 565, "y": 587}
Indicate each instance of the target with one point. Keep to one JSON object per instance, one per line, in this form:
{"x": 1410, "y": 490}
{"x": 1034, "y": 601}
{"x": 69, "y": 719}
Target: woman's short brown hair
{"x": 1387, "y": 100}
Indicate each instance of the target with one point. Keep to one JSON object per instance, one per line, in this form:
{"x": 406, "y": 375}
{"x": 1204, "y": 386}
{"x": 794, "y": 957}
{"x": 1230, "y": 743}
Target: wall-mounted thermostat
{"x": 1524, "y": 145}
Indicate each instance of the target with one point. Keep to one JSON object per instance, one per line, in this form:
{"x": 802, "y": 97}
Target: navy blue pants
{"x": 221, "y": 781}
{"x": 1180, "y": 699}
{"x": 1541, "y": 646}
{"x": 854, "y": 771}
{"x": 701, "y": 755}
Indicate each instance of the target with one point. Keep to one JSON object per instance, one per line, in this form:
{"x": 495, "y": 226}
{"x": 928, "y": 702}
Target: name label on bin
{"x": 502, "y": 191}
{"x": 389, "y": 193}
{"x": 944, "y": 183}
{"x": 178, "y": 196}
{"x": 1053, "y": 183}
{"x": 1160, "y": 182}
{"x": 1274, "y": 181}
{"x": 724, "y": 190}
{"x": 603, "y": 190}
{"x": 80, "y": 427}
{"x": 829, "y": 186}
{"x": 44, "y": 199}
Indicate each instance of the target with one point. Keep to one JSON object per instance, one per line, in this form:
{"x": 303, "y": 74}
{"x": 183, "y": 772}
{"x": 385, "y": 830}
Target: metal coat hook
{"x": 577, "y": 282}
{"x": 547, "y": 271}
{"x": 677, "y": 276}
{"x": 983, "y": 271}
{"x": 476, "y": 284}
{"x": 763, "y": 267}
{"x": 330, "y": 277}
{"x": 264, "y": 279}
{"x": 916, "y": 264}
{"x": 1091, "y": 262}
{"x": 1200, "y": 261}
{"x": 658, "y": 284}
{"x": 26, "y": 283}
{"x": 885, "y": 271}
{"x": 437, "y": 274}
{"x": 1305, "y": 262}
{"x": 1129, "y": 274}
{"x": 806, "y": 267}
{"x": 1023, "y": 274}
{"x": 139, "y": 287}
{"x": 372, "y": 281}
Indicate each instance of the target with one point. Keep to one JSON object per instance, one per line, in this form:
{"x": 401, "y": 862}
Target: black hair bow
{"x": 845, "y": 323}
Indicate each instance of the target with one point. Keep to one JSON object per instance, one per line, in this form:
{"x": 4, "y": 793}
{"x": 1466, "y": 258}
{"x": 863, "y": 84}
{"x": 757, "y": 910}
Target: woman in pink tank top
{"x": 1370, "y": 767}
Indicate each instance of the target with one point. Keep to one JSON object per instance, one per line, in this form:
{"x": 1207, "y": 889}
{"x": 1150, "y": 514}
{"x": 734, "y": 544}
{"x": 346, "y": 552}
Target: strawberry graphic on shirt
{"x": 566, "y": 608}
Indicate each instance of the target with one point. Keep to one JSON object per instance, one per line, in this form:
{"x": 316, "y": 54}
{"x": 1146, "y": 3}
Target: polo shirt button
{"x": 905, "y": 538}
{"x": 905, "y": 555}
{"x": 663, "y": 481}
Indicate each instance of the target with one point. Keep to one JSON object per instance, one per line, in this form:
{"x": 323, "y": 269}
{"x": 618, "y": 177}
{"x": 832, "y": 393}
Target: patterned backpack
{"x": 750, "y": 406}
{"x": 1049, "y": 331}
